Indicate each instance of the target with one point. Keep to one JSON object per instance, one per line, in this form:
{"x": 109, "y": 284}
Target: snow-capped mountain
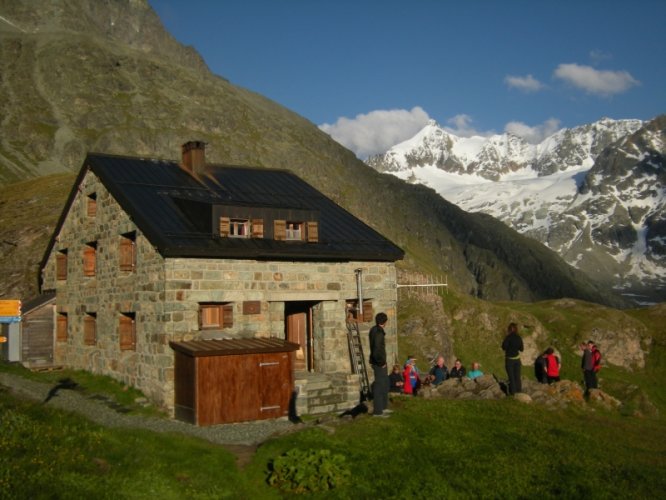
{"x": 595, "y": 194}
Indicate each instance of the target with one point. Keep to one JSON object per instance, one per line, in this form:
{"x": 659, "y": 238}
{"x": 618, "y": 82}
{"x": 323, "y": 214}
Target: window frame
{"x": 216, "y": 315}
{"x": 61, "y": 265}
{"x": 62, "y": 327}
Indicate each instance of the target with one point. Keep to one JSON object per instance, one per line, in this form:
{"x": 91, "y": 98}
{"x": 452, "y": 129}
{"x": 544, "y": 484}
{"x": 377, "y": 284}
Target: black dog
{"x": 355, "y": 411}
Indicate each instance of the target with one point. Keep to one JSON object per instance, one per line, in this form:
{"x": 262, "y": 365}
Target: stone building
{"x": 148, "y": 252}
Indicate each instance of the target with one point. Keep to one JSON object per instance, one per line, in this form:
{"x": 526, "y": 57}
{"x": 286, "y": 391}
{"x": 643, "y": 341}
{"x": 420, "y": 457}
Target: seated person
{"x": 458, "y": 371}
{"x": 411, "y": 376}
{"x": 475, "y": 371}
{"x": 438, "y": 373}
{"x": 396, "y": 380}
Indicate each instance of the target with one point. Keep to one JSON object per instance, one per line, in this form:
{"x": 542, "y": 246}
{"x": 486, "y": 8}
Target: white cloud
{"x": 525, "y": 83}
{"x": 376, "y": 131}
{"x": 595, "y": 81}
{"x": 462, "y": 127}
{"x": 536, "y": 134}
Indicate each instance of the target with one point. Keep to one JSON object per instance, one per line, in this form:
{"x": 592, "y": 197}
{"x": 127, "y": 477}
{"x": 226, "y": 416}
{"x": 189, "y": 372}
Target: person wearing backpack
{"x": 552, "y": 366}
{"x": 587, "y": 364}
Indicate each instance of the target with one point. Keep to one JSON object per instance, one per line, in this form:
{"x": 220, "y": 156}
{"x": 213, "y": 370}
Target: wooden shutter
{"x": 280, "y": 230}
{"x": 257, "y": 228}
{"x": 61, "y": 329}
{"x": 127, "y": 332}
{"x": 225, "y": 226}
{"x": 209, "y": 316}
{"x": 92, "y": 206}
{"x": 313, "y": 232}
{"x": 61, "y": 266}
{"x": 89, "y": 329}
{"x": 368, "y": 315}
{"x": 227, "y": 316}
{"x": 89, "y": 260}
{"x": 127, "y": 254}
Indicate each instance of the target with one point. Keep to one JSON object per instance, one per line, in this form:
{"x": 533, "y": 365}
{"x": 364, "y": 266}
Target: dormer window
{"x": 239, "y": 228}
{"x": 294, "y": 231}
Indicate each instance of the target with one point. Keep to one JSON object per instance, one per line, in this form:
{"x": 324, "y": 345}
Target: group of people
{"x": 408, "y": 380}
{"x": 547, "y": 365}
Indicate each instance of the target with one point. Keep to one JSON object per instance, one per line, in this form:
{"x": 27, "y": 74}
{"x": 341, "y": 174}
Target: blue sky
{"x": 371, "y": 73}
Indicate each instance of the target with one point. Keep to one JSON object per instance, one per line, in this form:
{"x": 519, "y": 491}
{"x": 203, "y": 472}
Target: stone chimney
{"x": 194, "y": 157}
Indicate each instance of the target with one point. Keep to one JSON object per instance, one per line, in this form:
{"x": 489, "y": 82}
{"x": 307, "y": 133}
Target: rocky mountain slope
{"x": 84, "y": 75}
{"x": 595, "y": 194}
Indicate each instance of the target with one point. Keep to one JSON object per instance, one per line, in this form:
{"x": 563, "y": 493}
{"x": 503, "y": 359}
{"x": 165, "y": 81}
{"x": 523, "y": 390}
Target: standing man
{"x": 380, "y": 387}
{"x": 513, "y": 346}
{"x": 589, "y": 373}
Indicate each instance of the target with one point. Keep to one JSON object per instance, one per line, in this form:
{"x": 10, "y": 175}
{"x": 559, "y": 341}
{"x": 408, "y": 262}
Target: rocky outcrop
{"x": 558, "y": 395}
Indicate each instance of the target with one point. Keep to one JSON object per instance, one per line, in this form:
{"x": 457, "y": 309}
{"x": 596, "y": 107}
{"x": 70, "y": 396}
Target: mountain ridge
{"x": 584, "y": 192}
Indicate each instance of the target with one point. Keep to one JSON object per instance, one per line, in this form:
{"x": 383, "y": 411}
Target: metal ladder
{"x": 357, "y": 358}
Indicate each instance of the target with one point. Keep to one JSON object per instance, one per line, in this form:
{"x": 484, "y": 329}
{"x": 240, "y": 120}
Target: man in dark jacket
{"x": 589, "y": 374}
{"x": 380, "y": 387}
{"x": 513, "y": 346}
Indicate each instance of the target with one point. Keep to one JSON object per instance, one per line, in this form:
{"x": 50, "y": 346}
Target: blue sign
{"x": 10, "y": 319}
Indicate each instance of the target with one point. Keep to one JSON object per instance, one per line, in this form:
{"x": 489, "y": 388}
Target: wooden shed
{"x": 235, "y": 380}
{"x": 37, "y": 331}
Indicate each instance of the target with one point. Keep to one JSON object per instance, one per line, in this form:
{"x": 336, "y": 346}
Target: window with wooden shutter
{"x": 213, "y": 316}
{"x": 127, "y": 256}
{"x": 257, "y": 228}
{"x": 61, "y": 327}
{"x": 280, "y": 230}
{"x": 91, "y": 209}
{"x": 127, "y": 331}
{"x": 313, "y": 232}
{"x": 90, "y": 329}
{"x": 90, "y": 259}
{"x": 225, "y": 226}
{"x": 61, "y": 265}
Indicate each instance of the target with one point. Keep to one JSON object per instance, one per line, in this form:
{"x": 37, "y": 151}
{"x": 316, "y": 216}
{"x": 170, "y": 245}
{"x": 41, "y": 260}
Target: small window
{"x": 214, "y": 316}
{"x": 61, "y": 327}
{"x": 127, "y": 331}
{"x": 294, "y": 231}
{"x": 353, "y": 313}
{"x": 90, "y": 328}
{"x": 91, "y": 209}
{"x": 127, "y": 255}
{"x": 61, "y": 265}
{"x": 90, "y": 259}
{"x": 239, "y": 228}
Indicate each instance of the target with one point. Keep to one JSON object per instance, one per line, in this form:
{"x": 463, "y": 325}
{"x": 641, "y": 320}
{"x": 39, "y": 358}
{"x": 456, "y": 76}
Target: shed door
{"x": 276, "y": 381}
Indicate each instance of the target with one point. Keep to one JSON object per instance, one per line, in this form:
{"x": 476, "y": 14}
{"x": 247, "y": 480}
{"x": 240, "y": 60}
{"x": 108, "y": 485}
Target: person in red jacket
{"x": 552, "y": 365}
{"x": 411, "y": 376}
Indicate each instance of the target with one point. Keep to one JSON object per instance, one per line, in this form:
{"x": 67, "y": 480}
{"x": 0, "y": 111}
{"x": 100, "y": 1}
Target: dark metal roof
{"x": 152, "y": 193}
{"x": 199, "y": 348}
{"x": 37, "y": 302}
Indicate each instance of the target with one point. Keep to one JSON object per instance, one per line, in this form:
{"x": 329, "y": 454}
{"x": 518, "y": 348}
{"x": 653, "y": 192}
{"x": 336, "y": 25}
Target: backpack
{"x": 596, "y": 360}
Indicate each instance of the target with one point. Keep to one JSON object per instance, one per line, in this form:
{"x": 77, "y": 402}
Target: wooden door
{"x": 276, "y": 384}
{"x": 297, "y": 332}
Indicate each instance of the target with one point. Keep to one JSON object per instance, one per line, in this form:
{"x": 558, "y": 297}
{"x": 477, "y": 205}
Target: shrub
{"x": 298, "y": 471}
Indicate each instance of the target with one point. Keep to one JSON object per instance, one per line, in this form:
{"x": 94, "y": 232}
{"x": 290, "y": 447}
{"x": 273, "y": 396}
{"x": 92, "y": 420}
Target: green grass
{"x": 53, "y": 454}
{"x": 90, "y": 384}
{"x": 427, "y": 449}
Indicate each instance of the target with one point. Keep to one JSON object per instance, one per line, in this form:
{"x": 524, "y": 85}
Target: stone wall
{"x": 165, "y": 294}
